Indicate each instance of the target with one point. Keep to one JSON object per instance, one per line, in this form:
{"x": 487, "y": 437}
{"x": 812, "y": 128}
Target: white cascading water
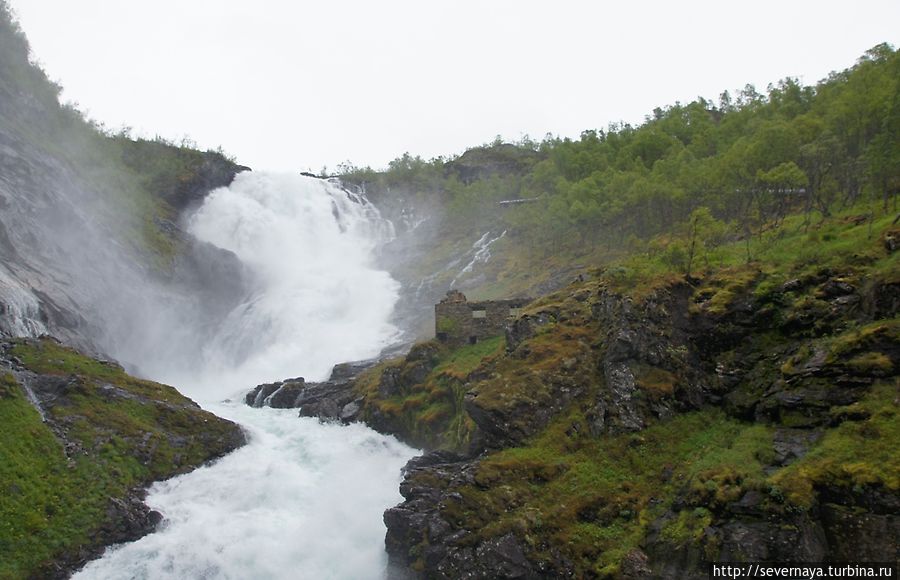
{"x": 318, "y": 300}
{"x": 20, "y": 313}
{"x": 302, "y": 499}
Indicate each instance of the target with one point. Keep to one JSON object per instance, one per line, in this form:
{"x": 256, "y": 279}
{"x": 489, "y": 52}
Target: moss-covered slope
{"x": 639, "y": 426}
{"x": 80, "y": 439}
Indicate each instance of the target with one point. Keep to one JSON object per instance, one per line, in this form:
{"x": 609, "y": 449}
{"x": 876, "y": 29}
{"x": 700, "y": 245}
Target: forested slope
{"x": 667, "y": 193}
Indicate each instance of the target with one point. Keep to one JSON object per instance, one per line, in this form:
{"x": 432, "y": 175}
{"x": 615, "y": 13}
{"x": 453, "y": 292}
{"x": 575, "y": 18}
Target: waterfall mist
{"x": 302, "y": 499}
{"x": 315, "y": 298}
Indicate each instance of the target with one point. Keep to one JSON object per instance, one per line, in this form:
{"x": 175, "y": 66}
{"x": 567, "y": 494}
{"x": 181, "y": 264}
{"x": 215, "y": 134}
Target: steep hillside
{"x": 641, "y": 422}
{"x": 88, "y": 217}
{"x": 80, "y": 441}
{"x": 642, "y": 430}
{"x": 505, "y": 220}
{"x": 90, "y": 246}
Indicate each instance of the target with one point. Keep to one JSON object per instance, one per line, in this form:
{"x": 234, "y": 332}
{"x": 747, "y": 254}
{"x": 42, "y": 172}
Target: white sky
{"x": 294, "y": 85}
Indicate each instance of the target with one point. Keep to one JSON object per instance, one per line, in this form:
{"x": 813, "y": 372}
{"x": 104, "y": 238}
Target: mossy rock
{"x": 69, "y": 479}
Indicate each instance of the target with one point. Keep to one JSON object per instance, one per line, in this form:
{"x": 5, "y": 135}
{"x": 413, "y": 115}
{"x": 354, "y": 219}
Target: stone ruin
{"x": 458, "y": 322}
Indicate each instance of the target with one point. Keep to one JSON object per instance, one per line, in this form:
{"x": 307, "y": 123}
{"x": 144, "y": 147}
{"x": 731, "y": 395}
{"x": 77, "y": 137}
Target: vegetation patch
{"x": 594, "y": 498}
{"x": 854, "y": 455}
{"x": 120, "y": 433}
{"x": 429, "y": 410}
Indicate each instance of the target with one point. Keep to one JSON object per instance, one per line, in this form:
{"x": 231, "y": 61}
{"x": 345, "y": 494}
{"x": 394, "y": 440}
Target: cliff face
{"x": 642, "y": 432}
{"x": 642, "y": 428}
{"x": 90, "y": 233}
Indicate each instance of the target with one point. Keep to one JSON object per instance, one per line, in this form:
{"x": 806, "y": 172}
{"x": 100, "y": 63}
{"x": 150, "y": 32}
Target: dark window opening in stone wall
{"x": 473, "y": 339}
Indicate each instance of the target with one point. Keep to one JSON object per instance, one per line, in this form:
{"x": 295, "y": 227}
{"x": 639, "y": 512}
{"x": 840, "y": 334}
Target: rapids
{"x": 302, "y": 499}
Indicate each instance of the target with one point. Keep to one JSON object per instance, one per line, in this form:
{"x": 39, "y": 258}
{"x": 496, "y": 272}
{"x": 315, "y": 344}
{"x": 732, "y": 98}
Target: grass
{"x": 48, "y": 502}
{"x": 459, "y": 363}
{"x": 430, "y": 413}
{"x": 791, "y": 251}
{"x": 122, "y": 433}
{"x": 593, "y": 498}
{"x": 853, "y": 455}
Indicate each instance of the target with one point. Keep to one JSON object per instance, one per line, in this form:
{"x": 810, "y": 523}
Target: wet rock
{"x": 792, "y": 444}
{"x": 621, "y": 404}
{"x": 257, "y": 397}
{"x": 504, "y": 558}
{"x": 891, "y": 240}
{"x": 524, "y": 327}
{"x": 325, "y": 400}
{"x": 792, "y": 285}
{"x": 747, "y": 541}
{"x": 885, "y": 300}
{"x": 750, "y": 504}
{"x": 835, "y": 288}
{"x": 844, "y": 301}
{"x": 856, "y": 535}
{"x": 286, "y": 396}
{"x": 635, "y": 566}
{"x": 390, "y": 384}
{"x": 350, "y": 411}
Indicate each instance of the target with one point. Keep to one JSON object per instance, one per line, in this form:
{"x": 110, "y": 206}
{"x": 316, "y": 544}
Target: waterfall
{"x": 481, "y": 254}
{"x": 19, "y": 310}
{"x": 315, "y": 298}
{"x": 302, "y": 499}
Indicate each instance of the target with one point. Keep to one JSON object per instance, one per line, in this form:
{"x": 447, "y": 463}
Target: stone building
{"x": 458, "y": 321}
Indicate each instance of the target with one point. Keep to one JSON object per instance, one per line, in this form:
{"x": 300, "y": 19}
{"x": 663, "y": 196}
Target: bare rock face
{"x": 445, "y": 550}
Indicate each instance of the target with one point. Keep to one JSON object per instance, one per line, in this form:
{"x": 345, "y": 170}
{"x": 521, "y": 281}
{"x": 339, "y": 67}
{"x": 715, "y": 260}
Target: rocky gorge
{"x": 643, "y": 416}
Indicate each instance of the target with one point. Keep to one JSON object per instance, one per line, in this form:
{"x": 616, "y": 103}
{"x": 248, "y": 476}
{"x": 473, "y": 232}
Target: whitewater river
{"x": 303, "y": 499}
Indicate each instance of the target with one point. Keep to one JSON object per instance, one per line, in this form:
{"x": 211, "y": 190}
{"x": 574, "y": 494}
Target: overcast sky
{"x": 294, "y": 85}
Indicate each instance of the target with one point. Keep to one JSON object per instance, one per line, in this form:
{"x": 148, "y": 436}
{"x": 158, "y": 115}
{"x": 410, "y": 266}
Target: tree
{"x": 782, "y": 182}
{"x": 705, "y": 233}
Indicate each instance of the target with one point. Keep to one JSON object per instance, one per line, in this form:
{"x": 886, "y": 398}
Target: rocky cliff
{"x": 640, "y": 428}
{"x": 642, "y": 433}
{"x": 641, "y": 437}
{"x": 89, "y": 217}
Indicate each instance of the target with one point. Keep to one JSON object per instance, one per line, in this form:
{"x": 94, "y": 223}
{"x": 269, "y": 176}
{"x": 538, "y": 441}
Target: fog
{"x": 296, "y": 86}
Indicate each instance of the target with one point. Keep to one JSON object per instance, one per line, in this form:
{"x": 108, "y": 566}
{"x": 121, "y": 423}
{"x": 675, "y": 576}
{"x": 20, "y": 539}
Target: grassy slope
{"x": 593, "y": 499}
{"x": 120, "y": 433}
{"x": 430, "y": 413}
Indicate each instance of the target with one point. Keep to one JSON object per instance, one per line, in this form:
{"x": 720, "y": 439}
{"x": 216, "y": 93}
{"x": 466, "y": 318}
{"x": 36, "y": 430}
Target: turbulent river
{"x": 302, "y": 499}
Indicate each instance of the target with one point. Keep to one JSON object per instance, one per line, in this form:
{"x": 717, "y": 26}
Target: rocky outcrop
{"x": 495, "y": 160}
{"x": 623, "y": 365}
{"x": 113, "y": 434}
{"x": 198, "y": 172}
{"x": 334, "y": 399}
{"x": 444, "y": 550}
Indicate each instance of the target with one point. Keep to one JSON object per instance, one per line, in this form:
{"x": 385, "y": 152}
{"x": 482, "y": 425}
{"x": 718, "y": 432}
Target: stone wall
{"x": 458, "y": 322}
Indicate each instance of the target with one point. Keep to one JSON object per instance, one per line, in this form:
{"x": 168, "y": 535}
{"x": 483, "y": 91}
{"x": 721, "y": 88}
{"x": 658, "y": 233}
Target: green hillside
{"x": 690, "y": 179}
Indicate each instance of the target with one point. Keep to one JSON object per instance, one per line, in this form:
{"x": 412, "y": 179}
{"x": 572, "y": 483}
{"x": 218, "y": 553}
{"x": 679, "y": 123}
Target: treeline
{"x": 730, "y": 168}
